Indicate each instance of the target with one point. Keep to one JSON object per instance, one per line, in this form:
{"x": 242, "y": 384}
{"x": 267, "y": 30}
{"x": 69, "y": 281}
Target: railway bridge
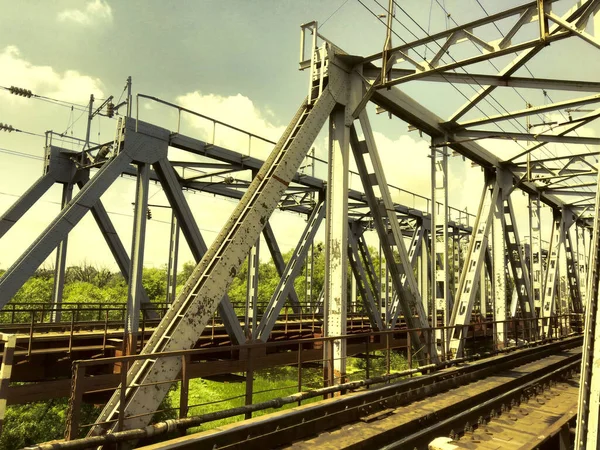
{"x": 465, "y": 331}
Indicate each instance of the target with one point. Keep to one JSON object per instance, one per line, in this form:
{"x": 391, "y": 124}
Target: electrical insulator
{"x": 6, "y": 127}
{"x": 149, "y": 214}
{"x": 229, "y": 180}
{"x": 20, "y": 91}
{"x": 110, "y": 109}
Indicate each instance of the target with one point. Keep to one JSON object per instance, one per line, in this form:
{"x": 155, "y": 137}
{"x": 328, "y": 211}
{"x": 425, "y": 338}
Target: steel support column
{"x": 499, "y": 269}
{"x": 587, "y": 435}
{"x": 336, "y": 246}
{"x": 60, "y": 264}
{"x": 280, "y": 265}
{"x": 137, "y": 259}
{"x": 251, "y": 309}
{"x": 549, "y": 298}
{"x": 535, "y": 245}
{"x": 439, "y": 232}
{"x": 173, "y": 258}
{"x": 469, "y": 279}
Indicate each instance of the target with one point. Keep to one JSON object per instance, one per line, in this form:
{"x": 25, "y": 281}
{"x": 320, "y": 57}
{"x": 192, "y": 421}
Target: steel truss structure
{"x": 438, "y": 269}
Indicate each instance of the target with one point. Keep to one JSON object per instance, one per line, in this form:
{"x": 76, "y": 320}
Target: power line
{"x": 333, "y": 13}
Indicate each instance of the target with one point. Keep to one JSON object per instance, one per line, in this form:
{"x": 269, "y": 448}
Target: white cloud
{"x": 44, "y": 80}
{"x": 95, "y": 11}
{"x": 238, "y": 111}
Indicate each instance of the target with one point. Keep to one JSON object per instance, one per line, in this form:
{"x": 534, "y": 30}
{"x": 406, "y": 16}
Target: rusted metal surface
{"x": 345, "y": 412}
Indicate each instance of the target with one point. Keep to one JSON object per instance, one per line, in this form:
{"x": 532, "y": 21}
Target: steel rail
{"x": 341, "y": 411}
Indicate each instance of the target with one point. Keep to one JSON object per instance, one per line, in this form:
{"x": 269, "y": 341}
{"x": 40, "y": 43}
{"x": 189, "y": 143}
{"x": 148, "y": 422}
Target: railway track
{"x": 408, "y": 414}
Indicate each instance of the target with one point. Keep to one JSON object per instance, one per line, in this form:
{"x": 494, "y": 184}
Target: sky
{"x": 236, "y": 61}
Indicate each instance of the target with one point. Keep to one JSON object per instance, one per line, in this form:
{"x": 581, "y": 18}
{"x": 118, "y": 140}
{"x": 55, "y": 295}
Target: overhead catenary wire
{"x": 440, "y": 73}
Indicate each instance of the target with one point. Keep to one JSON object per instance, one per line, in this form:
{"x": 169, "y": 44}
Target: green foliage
{"x": 33, "y": 423}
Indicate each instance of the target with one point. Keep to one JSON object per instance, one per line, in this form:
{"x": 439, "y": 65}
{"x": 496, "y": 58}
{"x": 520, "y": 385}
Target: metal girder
{"x": 549, "y": 298}
{"x": 60, "y": 265}
{"x": 137, "y": 259}
{"x": 574, "y": 126}
{"x": 363, "y": 285}
{"x": 439, "y": 229}
{"x": 289, "y": 274}
{"x": 58, "y": 229}
{"x": 410, "y": 299}
{"x": 465, "y": 296}
{"x": 577, "y": 31}
{"x": 25, "y": 201}
{"x": 336, "y": 247}
{"x": 185, "y": 219}
{"x": 573, "y": 275}
{"x": 529, "y": 111}
{"x": 204, "y": 290}
{"x": 405, "y": 108}
{"x": 414, "y": 250}
{"x": 280, "y": 265}
{"x": 516, "y": 257}
{"x": 536, "y": 268}
{"x": 511, "y": 67}
{"x": 587, "y": 435}
{"x": 477, "y": 79}
{"x": 529, "y": 137}
{"x": 251, "y": 310}
{"x": 173, "y": 258}
{"x": 114, "y": 244}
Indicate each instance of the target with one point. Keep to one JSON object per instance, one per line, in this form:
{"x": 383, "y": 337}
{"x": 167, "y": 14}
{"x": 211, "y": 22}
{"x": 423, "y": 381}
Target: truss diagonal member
{"x": 192, "y": 310}
{"x": 516, "y": 257}
{"x": 292, "y": 269}
{"x": 363, "y": 250}
{"x": 588, "y": 409}
{"x": 469, "y": 280}
{"x": 280, "y": 265}
{"x": 508, "y": 70}
{"x": 530, "y": 111}
{"x": 25, "y": 201}
{"x": 362, "y": 284}
{"x": 115, "y": 245}
{"x": 549, "y": 298}
{"x": 577, "y": 124}
{"x": 58, "y": 229}
{"x": 574, "y": 29}
{"x": 414, "y": 250}
{"x": 573, "y": 275}
{"x": 172, "y": 188}
{"x": 409, "y": 299}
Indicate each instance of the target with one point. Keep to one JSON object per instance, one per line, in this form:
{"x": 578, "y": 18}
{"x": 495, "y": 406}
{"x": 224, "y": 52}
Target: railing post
{"x": 408, "y": 350}
{"x": 387, "y": 361}
{"x": 249, "y": 382}
{"x": 367, "y": 369}
{"x": 105, "y": 333}
{"x": 75, "y": 406}
{"x": 185, "y": 386}
{"x": 71, "y": 333}
{"x": 299, "y": 370}
{"x": 31, "y": 334}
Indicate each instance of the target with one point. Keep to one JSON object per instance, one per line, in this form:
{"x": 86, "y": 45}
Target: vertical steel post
{"x": 61, "y": 263}
{"x": 499, "y": 267}
{"x": 439, "y": 232}
{"x": 252, "y": 290}
{"x": 535, "y": 243}
{"x": 424, "y": 274}
{"x": 137, "y": 259}
{"x": 336, "y": 243}
{"x": 173, "y": 257}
